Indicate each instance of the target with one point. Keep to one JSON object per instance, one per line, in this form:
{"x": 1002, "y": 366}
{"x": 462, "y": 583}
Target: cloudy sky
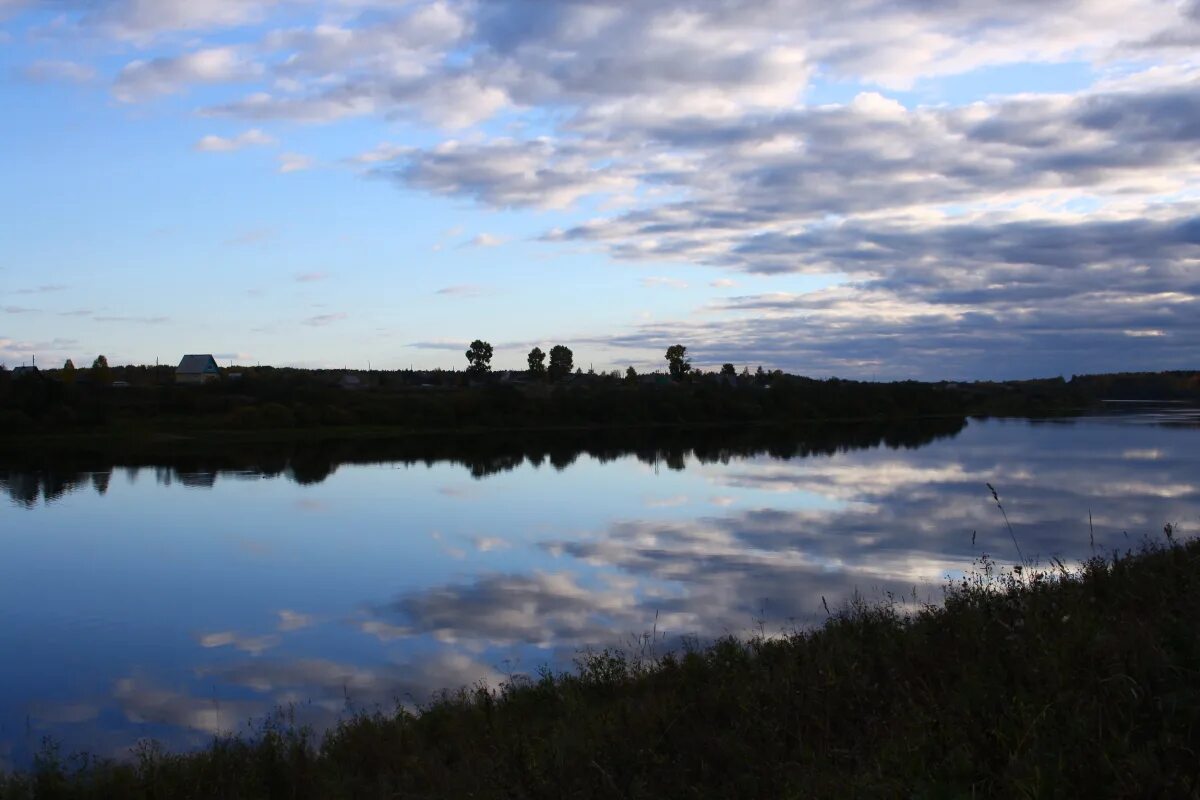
{"x": 914, "y": 188}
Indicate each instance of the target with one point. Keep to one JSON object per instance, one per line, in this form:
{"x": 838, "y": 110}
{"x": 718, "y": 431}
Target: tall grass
{"x": 1053, "y": 682}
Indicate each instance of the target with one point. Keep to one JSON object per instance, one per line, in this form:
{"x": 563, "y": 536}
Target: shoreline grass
{"x": 1054, "y": 682}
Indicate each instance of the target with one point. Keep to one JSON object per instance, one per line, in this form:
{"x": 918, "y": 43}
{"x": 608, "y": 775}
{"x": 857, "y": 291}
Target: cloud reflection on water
{"x": 760, "y": 541}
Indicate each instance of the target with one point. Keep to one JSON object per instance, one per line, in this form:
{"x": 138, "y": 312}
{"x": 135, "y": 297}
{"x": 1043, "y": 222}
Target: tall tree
{"x": 561, "y": 362}
{"x": 677, "y": 361}
{"x": 479, "y": 358}
{"x": 728, "y": 369}
{"x": 537, "y": 362}
{"x": 100, "y": 372}
{"x": 68, "y": 372}
{"x": 631, "y": 375}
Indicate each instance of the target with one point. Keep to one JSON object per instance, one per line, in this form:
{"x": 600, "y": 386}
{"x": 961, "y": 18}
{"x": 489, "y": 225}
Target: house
{"x": 23, "y": 372}
{"x": 197, "y": 369}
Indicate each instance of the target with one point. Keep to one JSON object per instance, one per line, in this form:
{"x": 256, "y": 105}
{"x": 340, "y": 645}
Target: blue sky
{"x": 886, "y": 190}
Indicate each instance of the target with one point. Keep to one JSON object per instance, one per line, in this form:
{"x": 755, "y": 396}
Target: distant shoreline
{"x": 139, "y": 404}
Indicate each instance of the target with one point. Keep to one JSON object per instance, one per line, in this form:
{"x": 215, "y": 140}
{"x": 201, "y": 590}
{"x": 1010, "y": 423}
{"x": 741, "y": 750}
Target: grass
{"x": 1056, "y": 682}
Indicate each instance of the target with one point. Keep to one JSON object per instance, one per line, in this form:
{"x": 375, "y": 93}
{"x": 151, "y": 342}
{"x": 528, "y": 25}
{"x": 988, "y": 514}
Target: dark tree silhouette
{"x": 561, "y": 362}
{"x": 100, "y": 372}
{"x": 631, "y": 375}
{"x": 677, "y": 361}
{"x": 479, "y": 357}
{"x": 537, "y": 362}
{"x": 728, "y": 369}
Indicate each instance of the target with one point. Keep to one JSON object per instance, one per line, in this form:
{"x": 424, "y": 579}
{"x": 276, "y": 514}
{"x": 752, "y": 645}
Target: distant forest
{"x": 132, "y": 399}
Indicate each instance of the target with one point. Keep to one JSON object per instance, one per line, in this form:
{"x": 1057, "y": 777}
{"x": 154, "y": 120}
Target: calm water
{"x": 178, "y": 601}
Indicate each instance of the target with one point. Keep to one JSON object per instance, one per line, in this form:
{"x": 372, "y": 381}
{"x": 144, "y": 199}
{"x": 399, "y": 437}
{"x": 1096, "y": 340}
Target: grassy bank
{"x": 1055, "y": 683}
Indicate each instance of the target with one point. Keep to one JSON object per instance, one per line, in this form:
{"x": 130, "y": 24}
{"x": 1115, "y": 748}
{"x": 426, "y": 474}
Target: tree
{"x": 537, "y": 362}
{"x": 68, "y": 372}
{"x": 479, "y": 357}
{"x": 631, "y": 375}
{"x": 561, "y": 362}
{"x": 728, "y": 369}
{"x": 100, "y": 371}
{"x": 677, "y": 361}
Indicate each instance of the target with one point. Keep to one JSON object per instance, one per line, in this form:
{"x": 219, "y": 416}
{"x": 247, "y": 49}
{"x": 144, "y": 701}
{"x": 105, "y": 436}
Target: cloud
{"x": 136, "y": 320}
{"x": 334, "y": 685}
{"x": 142, "y": 80}
{"x": 294, "y": 621}
{"x": 52, "y": 71}
{"x": 888, "y": 519}
{"x": 326, "y": 319}
{"x": 220, "y": 144}
{"x": 143, "y": 702}
{"x": 310, "y": 277}
{"x": 142, "y": 22}
{"x": 672, "y": 283}
{"x": 699, "y": 132}
{"x": 486, "y": 544}
{"x": 508, "y": 173}
{"x": 294, "y": 162}
{"x": 666, "y": 502}
{"x": 254, "y": 645}
{"x": 485, "y": 240}
{"x": 44, "y": 289}
{"x": 462, "y": 290}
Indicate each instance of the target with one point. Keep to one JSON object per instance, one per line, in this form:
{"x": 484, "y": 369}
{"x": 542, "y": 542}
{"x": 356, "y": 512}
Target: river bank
{"x": 1022, "y": 683}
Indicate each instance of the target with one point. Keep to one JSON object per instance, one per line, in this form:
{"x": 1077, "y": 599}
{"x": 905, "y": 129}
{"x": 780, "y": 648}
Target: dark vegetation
{"x": 58, "y": 466}
{"x": 132, "y": 400}
{"x": 1030, "y": 683}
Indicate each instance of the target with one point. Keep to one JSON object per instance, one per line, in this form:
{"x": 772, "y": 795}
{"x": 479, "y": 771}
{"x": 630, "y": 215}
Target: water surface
{"x": 181, "y": 597}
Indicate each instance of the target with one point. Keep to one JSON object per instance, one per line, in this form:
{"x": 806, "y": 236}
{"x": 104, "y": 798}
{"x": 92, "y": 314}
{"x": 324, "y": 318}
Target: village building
{"x": 197, "y": 369}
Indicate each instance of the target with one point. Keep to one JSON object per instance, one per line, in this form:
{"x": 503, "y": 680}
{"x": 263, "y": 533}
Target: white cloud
{"x": 485, "y": 240}
{"x": 657, "y": 281}
{"x": 485, "y": 544}
{"x": 294, "y": 162}
{"x": 688, "y": 129}
{"x": 143, "y": 20}
{"x": 220, "y": 144}
{"x": 142, "y": 80}
{"x": 254, "y": 645}
{"x": 293, "y": 620}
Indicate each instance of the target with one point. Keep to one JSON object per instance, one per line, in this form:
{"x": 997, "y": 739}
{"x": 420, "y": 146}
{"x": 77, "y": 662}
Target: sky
{"x": 932, "y": 189}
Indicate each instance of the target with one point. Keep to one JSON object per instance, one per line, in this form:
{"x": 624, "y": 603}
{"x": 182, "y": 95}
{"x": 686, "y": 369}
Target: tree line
{"x": 562, "y": 362}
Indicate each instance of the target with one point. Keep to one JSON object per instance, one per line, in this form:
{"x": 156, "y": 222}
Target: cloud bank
{"x": 996, "y": 229}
